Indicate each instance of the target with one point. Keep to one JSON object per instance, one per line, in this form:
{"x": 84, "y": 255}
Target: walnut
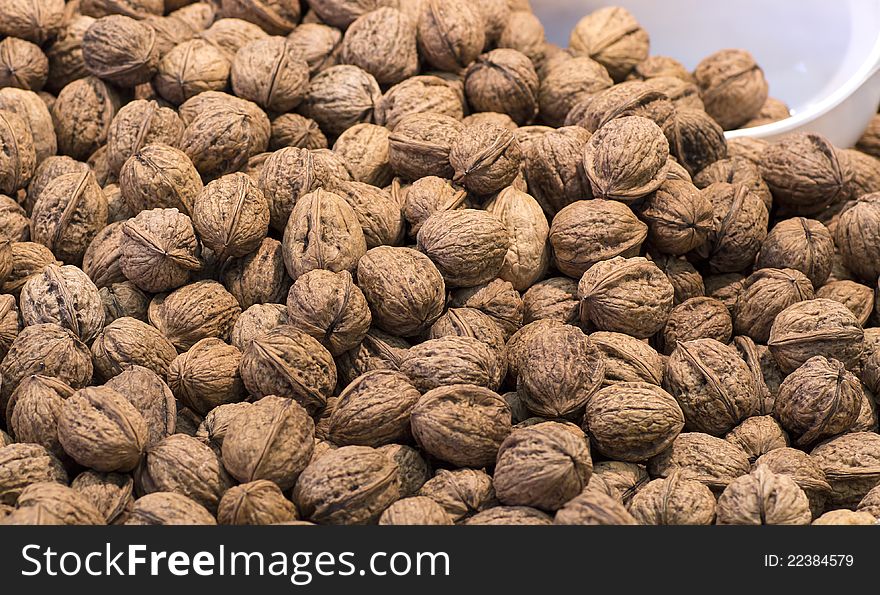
{"x": 865, "y": 168}
{"x": 504, "y": 81}
{"x": 567, "y": 84}
{"x": 110, "y": 493}
{"x": 120, "y": 50}
{"x": 65, "y": 56}
{"x": 712, "y": 461}
{"x": 524, "y": 32}
{"x": 167, "y": 508}
{"x": 49, "y": 169}
{"x": 805, "y": 172}
{"x": 28, "y": 258}
{"x": 340, "y": 97}
{"x": 33, "y": 409}
{"x": 159, "y": 249}
{"x": 190, "y": 68}
{"x": 725, "y": 288}
{"x": 631, "y": 98}
{"x": 485, "y": 158}
{"x": 82, "y": 114}
{"x": 293, "y": 130}
{"x": 377, "y": 351}
{"x": 418, "y": 510}
{"x": 748, "y": 147}
{"x": 766, "y": 293}
{"x": 735, "y": 170}
{"x": 14, "y": 222}
{"x": 773, "y": 110}
{"x": 207, "y": 375}
{"x": 758, "y": 435}
{"x": 342, "y": 13}
{"x": 612, "y": 37}
{"x": 851, "y": 463}
{"x": 231, "y": 216}
{"x": 379, "y": 214}
{"x": 127, "y": 341}
{"x": 176, "y": 316}
{"x": 518, "y": 343}
{"x": 629, "y": 295}
{"x": 660, "y": 66}
{"x": 276, "y": 17}
{"x": 34, "y": 21}
{"x": 686, "y": 281}
{"x": 740, "y": 227}
{"x": 271, "y": 73}
{"x": 554, "y": 298}
{"x": 461, "y": 493}
{"x": 138, "y": 124}
{"x": 374, "y": 410}
{"x": 10, "y": 323}
{"x": 212, "y": 429}
{"x": 159, "y": 176}
{"x": 732, "y": 86}
{"x": 621, "y": 480}
{"x": 254, "y": 321}
{"x": 25, "y": 464}
{"x": 469, "y": 322}
{"x": 404, "y": 289}
{"x": 588, "y": 232}
{"x": 627, "y": 359}
{"x": 510, "y": 515}
{"x": 63, "y": 295}
{"x": 462, "y": 424}
{"x": 763, "y": 498}
{"x": 697, "y": 318}
{"x": 803, "y": 469}
{"x": 855, "y": 296}
{"x": 498, "y": 299}
{"x": 259, "y": 277}
{"x": 592, "y": 507}
{"x": 845, "y": 517}
{"x": 412, "y": 470}
{"x": 856, "y": 235}
{"x": 679, "y": 217}
{"x": 255, "y": 503}
{"x": 554, "y": 168}
{"x": 170, "y": 31}
{"x": 420, "y": 145}
{"x": 365, "y": 149}
{"x": 46, "y": 349}
{"x": 138, "y": 9}
{"x": 183, "y": 465}
{"x": 383, "y": 43}
{"x": 698, "y": 141}
{"x": 318, "y": 45}
{"x": 50, "y": 503}
{"x": 451, "y": 34}
{"x": 551, "y": 385}
{"x": 870, "y": 503}
{"x": 802, "y": 244}
{"x": 429, "y": 195}
{"x": 30, "y": 107}
{"x": 351, "y": 485}
{"x": 674, "y": 500}
{"x": 151, "y": 397}
{"x": 684, "y": 94}
{"x": 19, "y": 159}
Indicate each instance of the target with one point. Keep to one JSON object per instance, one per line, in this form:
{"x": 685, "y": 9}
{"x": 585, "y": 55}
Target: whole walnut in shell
{"x": 566, "y": 84}
{"x": 23, "y": 65}
{"x": 33, "y": 410}
{"x": 632, "y": 421}
{"x": 271, "y": 73}
{"x": 318, "y": 45}
{"x": 628, "y": 295}
{"x": 159, "y": 176}
{"x": 255, "y": 503}
{"x": 542, "y": 466}
{"x": 36, "y": 115}
{"x": 127, "y": 341}
{"x": 453, "y": 360}
{"x": 857, "y": 234}
{"x": 412, "y": 469}
{"x": 293, "y": 130}
{"x": 23, "y": 464}
{"x": 100, "y": 429}
{"x": 816, "y": 327}
{"x": 679, "y": 217}
{"x": 613, "y": 37}
{"x": 258, "y": 277}
{"x": 351, "y": 485}
{"x": 554, "y": 298}
{"x": 697, "y": 140}
{"x": 758, "y": 435}
{"x": 630, "y": 98}
{"x": 50, "y": 503}
{"x": 855, "y": 296}
{"x": 255, "y": 320}
{"x": 418, "y": 510}
{"x": 120, "y": 50}
{"x": 801, "y": 244}
{"x": 739, "y": 227}
{"x": 365, "y": 148}
{"x": 206, "y": 376}
{"x": 763, "y": 498}
{"x": 461, "y": 493}
{"x": 286, "y": 361}
{"x": 342, "y": 13}
{"x": 159, "y": 249}
{"x": 732, "y": 86}
{"x": 712, "y": 461}
{"x": 377, "y": 210}
{"x": 451, "y": 34}
{"x": 469, "y": 322}
{"x": 82, "y": 114}
{"x": 736, "y": 170}
{"x": 818, "y": 400}
{"x": 151, "y": 397}
{"x": 138, "y": 124}
{"x": 420, "y": 145}
{"x": 504, "y": 81}
{"x": 851, "y": 463}
{"x": 404, "y": 289}
{"x": 589, "y": 231}
{"x": 524, "y": 32}
{"x": 429, "y": 195}
{"x": 553, "y": 165}
{"x": 377, "y": 351}
{"x": 231, "y": 216}
{"x": 697, "y": 318}
{"x": 485, "y": 158}
{"x": 846, "y": 517}
{"x": 498, "y": 299}
{"x": 383, "y": 43}
{"x": 167, "y": 508}
{"x": 177, "y": 317}
{"x": 766, "y": 293}
{"x": 628, "y": 359}
{"x": 14, "y": 222}
{"x": 64, "y": 296}
{"x": 418, "y": 95}
{"x": 674, "y": 500}
{"x": 191, "y": 67}
{"x": 340, "y": 97}
{"x": 805, "y": 471}
{"x": 110, "y": 493}
{"x": 593, "y": 507}
{"x": 374, "y": 409}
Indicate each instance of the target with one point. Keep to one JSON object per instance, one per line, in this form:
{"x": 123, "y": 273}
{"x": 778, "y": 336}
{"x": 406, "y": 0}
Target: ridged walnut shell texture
{"x": 418, "y": 95}
{"x": 627, "y": 295}
{"x": 121, "y": 50}
{"x": 383, "y": 43}
{"x": 675, "y": 500}
{"x": 351, "y": 485}
{"x": 857, "y": 236}
{"x": 293, "y": 130}
{"x": 159, "y": 176}
{"x": 365, "y": 148}
{"x": 329, "y": 307}
{"x": 763, "y": 498}
{"x": 819, "y": 400}
{"x": 485, "y": 158}
{"x": 766, "y": 293}
{"x": 151, "y": 397}
{"x": 183, "y": 465}
{"x": 559, "y": 372}
{"x": 543, "y": 466}
{"x": 194, "y": 312}
{"x": 110, "y": 493}
{"x": 318, "y": 44}
{"x": 592, "y": 507}
{"x": 276, "y": 17}
{"x": 712, "y": 461}
{"x": 418, "y": 510}
{"x": 801, "y": 244}
{"x": 101, "y": 430}
{"x": 510, "y": 515}
{"x": 468, "y": 246}
{"x": 231, "y": 216}
{"x": 632, "y": 421}
{"x": 159, "y": 249}
{"x": 189, "y": 68}
{"x": 127, "y": 341}
{"x": 679, "y": 217}
{"x": 851, "y": 463}
{"x": 167, "y": 508}
{"x": 589, "y": 231}
{"x": 462, "y": 424}
{"x": 63, "y": 295}
{"x": 816, "y": 327}
{"x": 82, "y": 114}
{"x": 50, "y": 503}
{"x": 566, "y": 84}
{"x": 32, "y": 412}
{"x": 503, "y": 81}
{"x": 628, "y": 359}
{"x": 739, "y": 227}
{"x": 420, "y": 145}
{"x": 271, "y": 73}
{"x": 732, "y": 86}
{"x": 340, "y": 97}
{"x": 553, "y": 165}
{"x": 23, "y": 464}
{"x": 255, "y": 503}
{"x": 612, "y": 37}
{"x": 450, "y": 34}
{"x": 254, "y": 321}
{"x": 554, "y": 298}
{"x": 697, "y": 140}
{"x": 258, "y": 277}
{"x": 626, "y": 159}
{"x": 377, "y": 209}
{"x": 101, "y": 258}
{"x": 30, "y": 107}
{"x": 758, "y": 435}
{"x": 453, "y": 360}
{"x": 404, "y": 289}
{"x": 630, "y": 98}
{"x": 285, "y": 361}
{"x": 272, "y": 440}
{"x": 207, "y": 375}
{"x": 697, "y": 318}
{"x": 461, "y": 493}
{"x": 323, "y": 233}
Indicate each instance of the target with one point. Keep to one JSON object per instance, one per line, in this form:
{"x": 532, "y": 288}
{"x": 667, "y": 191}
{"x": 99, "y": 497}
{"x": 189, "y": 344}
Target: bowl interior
{"x": 807, "y": 48}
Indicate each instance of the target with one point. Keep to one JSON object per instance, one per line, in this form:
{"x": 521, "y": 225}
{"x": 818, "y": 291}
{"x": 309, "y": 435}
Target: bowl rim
{"x": 869, "y": 68}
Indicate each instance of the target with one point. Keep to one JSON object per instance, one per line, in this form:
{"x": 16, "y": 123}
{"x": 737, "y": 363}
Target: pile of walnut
{"x": 405, "y": 262}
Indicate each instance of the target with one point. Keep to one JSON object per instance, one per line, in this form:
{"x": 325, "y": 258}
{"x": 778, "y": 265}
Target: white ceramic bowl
{"x": 821, "y": 57}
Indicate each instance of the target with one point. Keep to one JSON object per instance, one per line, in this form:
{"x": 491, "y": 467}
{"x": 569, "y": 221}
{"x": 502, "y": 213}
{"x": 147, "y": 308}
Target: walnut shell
{"x": 628, "y": 359}
{"x": 801, "y": 244}
{"x": 524, "y": 32}
{"x": 469, "y": 322}
{"x": 453, "y": 360}
{"x": 736, "y": 170}
{"x": 213, "y": 428}
{"x": 66, "y": 62}
{"x": 33, "y": 409}
{"x": 378, "y": 212}
{"x": 763, "y": 498}
{"x": 504, "y": 81}
{"x": 341, "y": 13}
{"x": 318, "y": 45}
{"x": 14, "y": 222}
{"x": 351, "y": 485}
{"x": 698, "y": 141}
{"x": 497, "y": 299}
{"x": 869, "y": 503}
{"x": 23, "y": 65}
{"x": 418, "y": 510}
{"x": 451, "y": 34}
{"x": 159, "y": 249}
{"x": 592, "y": 507}
{"x": 429, "y": 195}
{"x": 365, "y": 148}
{"x": 732, "y": 86}
{"x": 127, "y": 341}
{"x": 554, "y": 298}
{"x": 377, "y": 351}
{"x": 679, "y": 217}
{"x": 559, "y": 372}
{"x": 207, "y": 375}
{"x": 24, "y": 464}
{"x": 340, "y": 97}
{"x": 816, "y": 327}
{"x": 137, "y": 9}
{"x": 330, "y": 308}
{"x": 191, "y": 67}
{"x": 420, "y": 145}
{"x": 383, "y": 43}
{"x": 101, "y": 259}
{"x": 712, "y": 461}
{"x": 674, "y": 500}
{"x": 159, "y": 176}
{"x": 763, "y": 368}
{"x": 50, "y": 503}
{"x": 254, "y": 321}
{"x": 110, "y": 493}
{"x": 461, "y": 493}
{"x": 138, "y": 124}
{"x": 276, "y": 17}
{"x": 630, "y": 98}
{"x": 740, "y": 227}
{"x": 36, "y": 22}
{"x": 271, "y": 73}
{"x": 412, "y": 470}
{"x": 697, "y": 318}
{"x": 418, "y": 95}
{"x": 64, "y": 296}
{"x": 758, "y": 435}
{"x": 632, "y": 421}
{"x": 554, "y": 167}
{"x": 293, "y": 130}
{"x": 856, "y": 235}
{"x": 589, "y": 231}
{"x": 259, "y": 277}
{"x": 851, "y": 465}
{"x": 231, "y": 216}
{"x": 100, "y": 429}
{"x": 404, "y": 289}
{"x": 629, "y": 295}
{"x": 543, "y": 466}
{"x": 167, "y": 508}
{"x": 255, "y": 503}
{"x": 373, "y": 410}
{"x": 151, "y": 396}
{"x": 120, "y": 50}
{"x": 485, "y": 158}
{"x": 10, "y": 323}
{"x": 612, "y": 37}
{"x": 83, "y": 112}
{"x": 510, "y": 515}
{"x": 286, "y": 361}
{"x": 766, "y": 293}
{"x": 30, "y": 107}
{"x": 845, "y": 517}
{"x": 183, "y": 465}
{"x": 175, "y": 316}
